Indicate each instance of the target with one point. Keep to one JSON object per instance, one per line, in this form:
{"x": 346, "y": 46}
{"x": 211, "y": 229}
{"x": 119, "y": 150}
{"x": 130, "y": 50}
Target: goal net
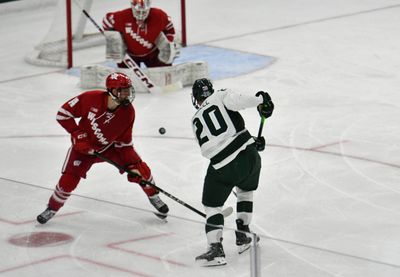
{"x": 53, "y": 49}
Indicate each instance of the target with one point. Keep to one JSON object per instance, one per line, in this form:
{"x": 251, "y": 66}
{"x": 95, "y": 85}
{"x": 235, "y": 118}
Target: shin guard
{"x": 65, "y": 186}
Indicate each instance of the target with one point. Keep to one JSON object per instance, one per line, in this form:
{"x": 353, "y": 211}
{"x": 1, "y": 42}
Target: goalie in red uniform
{"x": 105, "y": 126}
{"x": 147, "y": 34}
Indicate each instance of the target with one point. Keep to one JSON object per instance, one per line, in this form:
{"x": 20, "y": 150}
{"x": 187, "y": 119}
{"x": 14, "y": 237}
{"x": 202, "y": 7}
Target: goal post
{"x": 69, "y": 33}
{"x": 70, "y": 30}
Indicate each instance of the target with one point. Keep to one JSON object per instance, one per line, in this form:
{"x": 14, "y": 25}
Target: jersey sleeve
{"x": 125, "y": 139}
{"x": 124, "y": 146}
{"x": 169, "y": 29}
{"x": 237, "y": 101}
{"x": 109, "y": 22}
{"x": 68, "y": 112}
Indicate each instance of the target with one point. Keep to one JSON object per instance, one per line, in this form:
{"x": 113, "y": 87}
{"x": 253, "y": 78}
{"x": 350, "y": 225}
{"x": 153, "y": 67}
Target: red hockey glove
{"x": 135, "y": 177}
{"x": 143, "y": 174}
{"x": 80, "y": 142}
{"x": 141, "y": 170}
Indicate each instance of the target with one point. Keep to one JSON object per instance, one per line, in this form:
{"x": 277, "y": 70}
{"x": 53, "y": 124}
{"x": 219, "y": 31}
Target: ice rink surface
{"x": 328, "y": 202}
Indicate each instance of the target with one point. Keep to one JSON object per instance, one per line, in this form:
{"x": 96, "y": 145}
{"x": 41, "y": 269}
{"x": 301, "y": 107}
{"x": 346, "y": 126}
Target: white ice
{"x": 328, "y": 202}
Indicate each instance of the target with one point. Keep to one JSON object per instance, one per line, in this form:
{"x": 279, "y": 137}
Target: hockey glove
{"x": 260, "y": 143}
{"x": 266, "y": 108}
{"x": 140, "y": 172}
{"x": 80, "y": 142}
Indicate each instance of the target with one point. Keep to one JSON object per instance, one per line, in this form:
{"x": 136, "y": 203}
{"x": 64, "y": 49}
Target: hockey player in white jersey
{"x": 234, "y": 161}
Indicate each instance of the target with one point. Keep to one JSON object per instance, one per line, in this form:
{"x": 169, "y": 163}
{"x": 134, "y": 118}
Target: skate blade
{"x": 162, "y": 217}
{"x": 243, "y": 248}
{"x": 216, "y": 262}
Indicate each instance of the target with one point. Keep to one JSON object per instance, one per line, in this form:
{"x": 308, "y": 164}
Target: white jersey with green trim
{"x": 219, "y": 128}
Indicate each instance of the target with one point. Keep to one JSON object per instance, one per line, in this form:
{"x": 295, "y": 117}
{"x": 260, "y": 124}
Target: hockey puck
{"x": 162, "y": 130}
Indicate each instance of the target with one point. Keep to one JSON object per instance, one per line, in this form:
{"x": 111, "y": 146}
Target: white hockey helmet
{"x": 140, "y": 9}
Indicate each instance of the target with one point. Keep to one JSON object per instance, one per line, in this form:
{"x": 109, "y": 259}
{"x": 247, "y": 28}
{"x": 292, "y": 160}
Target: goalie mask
{"x": 119, "y": 87}
{"x": 140, "y": 9}
{"x": 202, "y": 88}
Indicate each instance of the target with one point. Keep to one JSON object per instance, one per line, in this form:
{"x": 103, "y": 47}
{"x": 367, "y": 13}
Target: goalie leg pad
{"x": 199, "y": 70}
{"x": 192, "y": 71}
{"x": 94, "y": 76}
{"x": 185, "y": 73}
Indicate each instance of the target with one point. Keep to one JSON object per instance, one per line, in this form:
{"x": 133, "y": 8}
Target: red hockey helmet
{"x": 140, "y": 9}
{"x": 119, "y": 87}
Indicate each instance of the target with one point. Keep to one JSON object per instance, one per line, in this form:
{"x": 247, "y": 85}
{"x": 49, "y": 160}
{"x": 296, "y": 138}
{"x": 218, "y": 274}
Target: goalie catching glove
{"x": 266, "y": 108}
{"x": 168, "y": 50}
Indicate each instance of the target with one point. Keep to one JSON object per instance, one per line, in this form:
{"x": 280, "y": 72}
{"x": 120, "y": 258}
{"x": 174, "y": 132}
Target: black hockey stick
{"x": 90, "y": 18}
{"x": 225, "y": 212}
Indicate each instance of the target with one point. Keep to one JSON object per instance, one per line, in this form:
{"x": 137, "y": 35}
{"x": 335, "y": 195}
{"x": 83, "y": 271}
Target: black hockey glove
{"x": 260, "y": 143}
{"x": 267, "y": 107}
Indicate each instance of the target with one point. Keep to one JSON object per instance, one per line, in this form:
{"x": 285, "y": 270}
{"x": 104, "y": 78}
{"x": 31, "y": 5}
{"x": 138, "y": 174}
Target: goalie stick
{"x": 141, "y": 76}
{"x": 226, "y": 212}
{"x": 130, "y": 63}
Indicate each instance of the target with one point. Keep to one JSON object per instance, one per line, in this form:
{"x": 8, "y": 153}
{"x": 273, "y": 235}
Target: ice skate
{"x": 213, "y": 257}
{"x": 45, "y": 216}
{"x": 242, "y": 240}
{"x": 160, "y": 206}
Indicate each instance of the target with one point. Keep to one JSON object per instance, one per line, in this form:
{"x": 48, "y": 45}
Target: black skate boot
{"x": 213, "y": 257}
{"x": 160, "y": 206}
{"x": 242, "y": 240}
{"x": 45, "y": 216}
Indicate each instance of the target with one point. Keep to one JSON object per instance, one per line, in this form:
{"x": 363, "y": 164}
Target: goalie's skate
{"x": 45, "y": 216}
{"x": 160, "y": 206}
{"x": 213, "y": 257}
{"x": 243, "y": 242}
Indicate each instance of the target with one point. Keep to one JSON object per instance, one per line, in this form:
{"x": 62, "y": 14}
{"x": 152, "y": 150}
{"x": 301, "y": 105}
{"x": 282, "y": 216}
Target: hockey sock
{"x": 214, "y": 224}
{"x": 244, "y": 206}
{"x": 66, "y": 184}
{"x": 149, "y": 190}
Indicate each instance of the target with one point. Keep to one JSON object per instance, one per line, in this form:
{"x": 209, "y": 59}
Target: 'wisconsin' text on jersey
{"x": 104, "y": 127}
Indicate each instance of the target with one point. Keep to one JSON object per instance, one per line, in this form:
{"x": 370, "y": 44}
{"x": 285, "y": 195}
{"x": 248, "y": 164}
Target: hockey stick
{"x": 260, "y": 129}
{"x": 90, "y": 18}
{"x": 226, "y": 212}
{"x": 128, "y": 61}
{"x": 144, "y": 79}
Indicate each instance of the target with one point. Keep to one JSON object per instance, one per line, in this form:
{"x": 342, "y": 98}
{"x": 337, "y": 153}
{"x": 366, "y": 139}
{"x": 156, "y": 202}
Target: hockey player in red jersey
{"x": 105, "y": 125}
{"x": 147, "y": 32}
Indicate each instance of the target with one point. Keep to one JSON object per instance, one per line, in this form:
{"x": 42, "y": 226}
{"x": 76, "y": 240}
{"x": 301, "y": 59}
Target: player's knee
{"x": 243, "y": 195}
{"x": 68, "y": 182}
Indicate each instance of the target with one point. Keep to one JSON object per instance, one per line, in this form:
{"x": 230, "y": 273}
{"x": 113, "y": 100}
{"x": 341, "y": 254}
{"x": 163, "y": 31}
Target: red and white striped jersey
{"x": 104, "y": 127}
{"x": 140, "y": 40}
